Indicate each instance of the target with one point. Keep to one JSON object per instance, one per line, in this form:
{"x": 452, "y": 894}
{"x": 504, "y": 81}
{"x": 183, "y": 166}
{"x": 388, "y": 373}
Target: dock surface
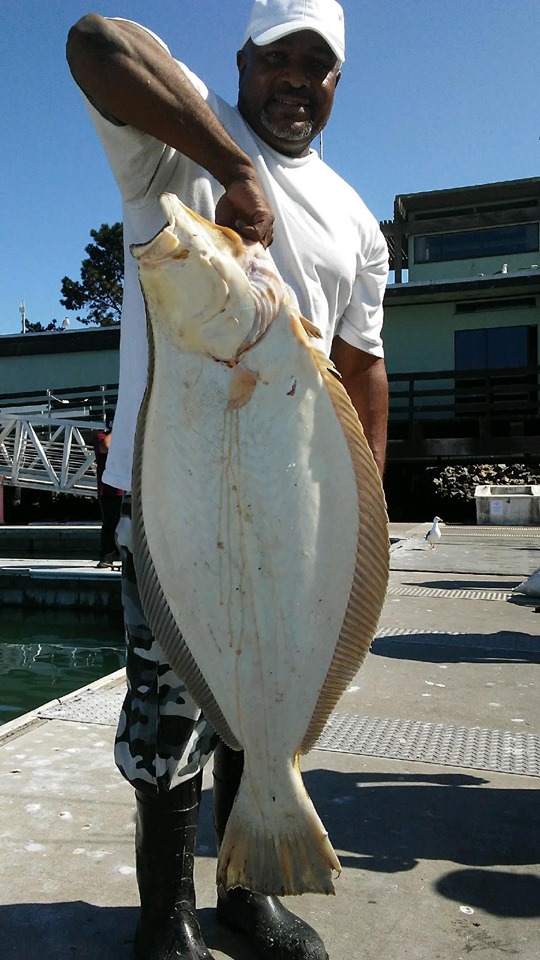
{"x": 426, "y": 778}
{"x": 54, "y": 566}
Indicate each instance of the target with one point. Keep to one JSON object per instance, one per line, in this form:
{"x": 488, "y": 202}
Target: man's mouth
{"x": 292, "y": 101}
{"x": 290, "y": 105}
{"x": 288, "y": 116}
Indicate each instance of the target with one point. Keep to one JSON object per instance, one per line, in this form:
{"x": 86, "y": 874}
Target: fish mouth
{"x": 249, "y": 291}
{"x": 211, "y": 238}
{"x": 182, "y": 234}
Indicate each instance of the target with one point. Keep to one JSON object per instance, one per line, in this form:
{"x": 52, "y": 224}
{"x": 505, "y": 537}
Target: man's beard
{"x": 285, "y": 130}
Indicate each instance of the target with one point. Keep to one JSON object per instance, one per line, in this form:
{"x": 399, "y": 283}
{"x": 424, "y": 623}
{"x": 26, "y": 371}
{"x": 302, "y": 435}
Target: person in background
{"x": 250, "y": 168}
{"x": 109, "y": 499}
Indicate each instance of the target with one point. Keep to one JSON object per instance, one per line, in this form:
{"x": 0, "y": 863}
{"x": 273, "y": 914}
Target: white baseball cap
{"x": 272, "y": 19}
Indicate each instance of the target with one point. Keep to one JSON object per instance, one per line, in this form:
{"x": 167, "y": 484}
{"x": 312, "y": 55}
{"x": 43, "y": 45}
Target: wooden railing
{"x": 94, "y": 402}
{"x": 459, "y": 415}
{"x": 442, "y": 415}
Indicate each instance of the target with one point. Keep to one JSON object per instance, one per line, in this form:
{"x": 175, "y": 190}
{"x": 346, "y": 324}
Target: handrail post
{"x": 411, "y": 382}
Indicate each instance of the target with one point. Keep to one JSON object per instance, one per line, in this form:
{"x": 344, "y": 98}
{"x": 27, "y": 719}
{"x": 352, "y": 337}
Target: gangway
{"x": 46, "y": 442}
{"x": 48, "y": 454}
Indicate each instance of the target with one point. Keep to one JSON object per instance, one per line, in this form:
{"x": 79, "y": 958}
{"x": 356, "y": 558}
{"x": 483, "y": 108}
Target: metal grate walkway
{"x": 441, "y": 744}
{"x": 450, "y": 594}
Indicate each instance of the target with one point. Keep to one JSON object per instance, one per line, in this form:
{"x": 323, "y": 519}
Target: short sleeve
{"x": 361, "y": 324}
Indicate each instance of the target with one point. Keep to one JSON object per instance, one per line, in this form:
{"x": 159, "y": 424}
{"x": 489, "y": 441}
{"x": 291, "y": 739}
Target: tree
{"x": 38, "y": 327}
{"x": 99, "y": 291}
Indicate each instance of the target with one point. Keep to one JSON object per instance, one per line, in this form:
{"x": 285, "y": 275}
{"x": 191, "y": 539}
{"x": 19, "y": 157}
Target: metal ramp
{"x": 63, "y": 462}
{"x": 46, "y": 441}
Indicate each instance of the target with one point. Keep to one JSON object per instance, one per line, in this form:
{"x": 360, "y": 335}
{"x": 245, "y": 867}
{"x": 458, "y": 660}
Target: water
{"x": 45, "y": 654}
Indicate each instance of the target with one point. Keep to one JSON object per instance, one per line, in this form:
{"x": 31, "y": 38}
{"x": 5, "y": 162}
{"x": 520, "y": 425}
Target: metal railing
{"x": 63, "y": 461}
{"x": 46, "y": 439}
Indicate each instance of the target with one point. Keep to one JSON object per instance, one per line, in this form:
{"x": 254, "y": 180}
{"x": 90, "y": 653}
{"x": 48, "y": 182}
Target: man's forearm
{"x": 364, "y": 378}
{"x": 369, "y": 396}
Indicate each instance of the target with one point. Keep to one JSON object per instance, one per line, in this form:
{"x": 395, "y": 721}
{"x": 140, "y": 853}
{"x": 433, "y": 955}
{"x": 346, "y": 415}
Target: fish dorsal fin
{"x": 310, "y": 328}
{"x": 303, "y": 327}
{"x": 369, "y": 582}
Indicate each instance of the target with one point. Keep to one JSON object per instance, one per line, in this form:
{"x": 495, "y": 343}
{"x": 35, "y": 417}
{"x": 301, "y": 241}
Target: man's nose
{"x": 295, "y": 75}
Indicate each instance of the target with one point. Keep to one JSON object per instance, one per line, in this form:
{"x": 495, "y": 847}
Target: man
{"x": 251, "y": 169}
{"x": 109, "y": 499}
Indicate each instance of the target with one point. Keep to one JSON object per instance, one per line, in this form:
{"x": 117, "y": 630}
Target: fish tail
{"x": 276, "y": 845}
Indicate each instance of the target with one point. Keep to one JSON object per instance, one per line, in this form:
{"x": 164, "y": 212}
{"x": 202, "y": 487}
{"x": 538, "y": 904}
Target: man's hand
{"x": 244, "y": 208}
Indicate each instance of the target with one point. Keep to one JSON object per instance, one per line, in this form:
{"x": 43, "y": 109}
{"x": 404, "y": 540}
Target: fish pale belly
{"x": 251, "y": 518}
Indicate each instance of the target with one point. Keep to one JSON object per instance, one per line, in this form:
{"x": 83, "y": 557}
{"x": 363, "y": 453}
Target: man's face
{"x": 286, "y": 90}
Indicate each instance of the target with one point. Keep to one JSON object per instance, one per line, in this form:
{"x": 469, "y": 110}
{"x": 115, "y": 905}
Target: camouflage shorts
{"x": 162, "y": 737}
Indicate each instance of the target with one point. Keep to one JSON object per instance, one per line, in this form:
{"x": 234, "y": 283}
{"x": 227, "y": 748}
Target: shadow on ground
{"x": 498, "y": 892}
{"x": 84, "y": 931}
{"x": 503, "y": 647}
{"x": 389, "y": 822}
{"x": 381, "y": 822}
{"x": 453, "y": 585}
{"x": 74, "y": 929}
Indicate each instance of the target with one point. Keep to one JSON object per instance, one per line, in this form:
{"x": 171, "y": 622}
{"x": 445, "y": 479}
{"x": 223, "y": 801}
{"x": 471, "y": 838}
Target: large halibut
{"x": 260, "y": 530}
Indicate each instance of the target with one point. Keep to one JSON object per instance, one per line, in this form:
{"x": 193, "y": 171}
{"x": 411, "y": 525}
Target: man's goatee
{"x": 286, "y": 129}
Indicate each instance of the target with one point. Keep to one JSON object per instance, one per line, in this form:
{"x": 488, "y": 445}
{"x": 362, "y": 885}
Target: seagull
{"x": 434, "y": 535}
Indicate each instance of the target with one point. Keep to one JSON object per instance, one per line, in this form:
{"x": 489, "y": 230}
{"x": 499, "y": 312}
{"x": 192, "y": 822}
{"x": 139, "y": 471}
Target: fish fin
{"x": 302, "y": 324}
{"x": 243, "y": 383}
{"x": 276, "y": 846}
{"x": 310, "y": 328}
{"x": 370, "y": 577}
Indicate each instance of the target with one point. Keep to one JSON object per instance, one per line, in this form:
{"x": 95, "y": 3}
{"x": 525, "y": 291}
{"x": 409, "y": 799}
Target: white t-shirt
{"x": 327, "y": 245}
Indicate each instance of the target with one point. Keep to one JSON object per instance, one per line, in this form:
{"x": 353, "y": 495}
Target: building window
{"x": 523, "y": 203}
{"x": 495, "y": 348}
{"x": 473, "y": 244}
{"x": 509, "y": 349}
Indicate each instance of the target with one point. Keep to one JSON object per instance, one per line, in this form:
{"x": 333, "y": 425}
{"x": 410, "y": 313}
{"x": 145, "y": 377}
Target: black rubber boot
{"x": 273, "y": 932}
{"x": 164, "y": 846}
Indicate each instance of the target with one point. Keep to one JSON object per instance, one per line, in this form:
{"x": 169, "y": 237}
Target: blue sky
{"x": 434, "y": 94}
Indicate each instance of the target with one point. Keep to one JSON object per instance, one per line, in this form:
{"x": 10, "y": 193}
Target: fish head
{"x": 208, "y": 291}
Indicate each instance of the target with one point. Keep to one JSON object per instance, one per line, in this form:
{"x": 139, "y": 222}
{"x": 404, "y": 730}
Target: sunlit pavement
{"x": 426, "y": 781}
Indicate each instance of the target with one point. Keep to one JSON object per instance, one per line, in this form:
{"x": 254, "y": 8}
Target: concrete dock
{"x": 36, "y": 574}
{"x": 426, "y": 778}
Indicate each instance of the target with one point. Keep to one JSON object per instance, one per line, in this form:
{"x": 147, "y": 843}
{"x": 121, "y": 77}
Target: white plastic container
{"x": 514, "y": 505}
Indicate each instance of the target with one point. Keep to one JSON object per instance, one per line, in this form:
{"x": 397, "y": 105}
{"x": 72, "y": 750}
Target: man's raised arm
{"x": 127, "y": 74}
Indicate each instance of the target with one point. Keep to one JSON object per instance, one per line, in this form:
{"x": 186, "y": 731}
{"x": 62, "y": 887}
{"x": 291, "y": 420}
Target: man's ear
{"x": 338, "y": 77}
{"x": 241, "y": 62}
